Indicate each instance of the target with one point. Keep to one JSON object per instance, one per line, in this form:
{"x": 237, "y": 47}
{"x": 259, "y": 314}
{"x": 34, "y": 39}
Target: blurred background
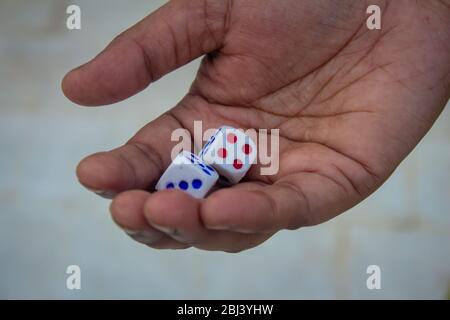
{"x": 48, "y": 221}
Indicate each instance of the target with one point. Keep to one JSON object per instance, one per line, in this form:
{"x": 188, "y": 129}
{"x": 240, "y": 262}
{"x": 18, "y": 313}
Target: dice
{"x": 189, "y": 173}
{"x": 231, "y": 152}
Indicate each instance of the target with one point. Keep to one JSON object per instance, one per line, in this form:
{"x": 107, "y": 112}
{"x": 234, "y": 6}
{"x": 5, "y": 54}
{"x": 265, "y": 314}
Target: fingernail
{"x": 245, "y": 231}
{"x": 166, "y": 230}
{"x": 174, "y": 233}
{"x": 223, "y": 228}
{"x": 218, "y": 228}
{"x": 107, "y": 194}
{"x": 143, "y": 236}
{"x": 129, "y": 232}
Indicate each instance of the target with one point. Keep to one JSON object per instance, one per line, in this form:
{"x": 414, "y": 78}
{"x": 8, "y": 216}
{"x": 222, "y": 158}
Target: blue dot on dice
{"x": 197, "y": 183}
{"x": 183, "y": 185}
{"x": 170, "y": 185}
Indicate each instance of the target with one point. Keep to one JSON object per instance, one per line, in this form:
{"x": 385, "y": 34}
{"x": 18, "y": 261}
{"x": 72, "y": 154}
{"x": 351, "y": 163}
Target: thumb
{"x": 172, "y": 36}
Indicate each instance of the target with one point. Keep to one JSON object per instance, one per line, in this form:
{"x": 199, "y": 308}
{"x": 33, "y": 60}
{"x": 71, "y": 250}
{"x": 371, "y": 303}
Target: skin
{"x": 350, "y": 104}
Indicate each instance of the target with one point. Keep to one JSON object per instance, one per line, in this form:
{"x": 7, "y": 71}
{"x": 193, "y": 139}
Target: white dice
{"x": 189, "y": 173}
{"x": 231, "y": 152}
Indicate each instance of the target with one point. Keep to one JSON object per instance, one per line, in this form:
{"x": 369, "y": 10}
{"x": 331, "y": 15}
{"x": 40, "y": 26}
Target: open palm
{"x": 350, "y": 104}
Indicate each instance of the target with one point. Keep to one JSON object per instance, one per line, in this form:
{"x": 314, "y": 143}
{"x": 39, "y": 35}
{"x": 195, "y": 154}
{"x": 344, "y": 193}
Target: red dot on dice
{"x": 222, "y": 153}
{"x": 237, "y": 164}
{"x": 231, "y": 138}
{"x": 247, "y": 148}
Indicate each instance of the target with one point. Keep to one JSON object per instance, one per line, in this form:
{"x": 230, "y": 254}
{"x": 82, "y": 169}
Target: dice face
{"x": 189, "y": 173}
{"x": 231, "y": 152}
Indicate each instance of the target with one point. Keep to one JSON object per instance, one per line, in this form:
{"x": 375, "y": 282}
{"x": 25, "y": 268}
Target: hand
{"x": 350, "y": 104}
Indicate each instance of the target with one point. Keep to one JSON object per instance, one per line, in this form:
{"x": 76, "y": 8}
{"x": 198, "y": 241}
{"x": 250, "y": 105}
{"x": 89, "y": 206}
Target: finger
{"x": 178, "y": 215}
{"x": 254, "y": 207}
{"x": 175, "y": 34}
{"x": 126, "y": 210}
{"x": 136, "y": 165}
